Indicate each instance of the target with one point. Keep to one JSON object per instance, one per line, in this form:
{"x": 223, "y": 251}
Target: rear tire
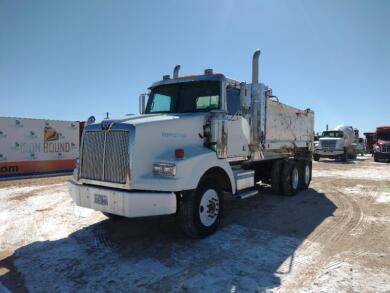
{"x": 200, "y": 210}
{"x": 276, "y": 171}
{"x": 290, "y": 178}
{"x": 305, "y": 174}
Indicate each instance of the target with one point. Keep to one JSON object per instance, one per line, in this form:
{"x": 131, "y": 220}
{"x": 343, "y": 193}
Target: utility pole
{"x": 107, "y": 115}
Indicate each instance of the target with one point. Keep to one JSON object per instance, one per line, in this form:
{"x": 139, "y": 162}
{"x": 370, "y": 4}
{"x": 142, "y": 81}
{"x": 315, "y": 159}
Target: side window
{"x": 207, "y": 103}
{"x": 233, "y": 100}
{"x": 161, "y": 103}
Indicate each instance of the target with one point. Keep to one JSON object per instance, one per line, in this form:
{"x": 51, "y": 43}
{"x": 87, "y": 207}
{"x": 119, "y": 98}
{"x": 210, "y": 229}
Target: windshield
{"x": 383, "y": 135}
{"x": 200, "y": 96}
{"x": 332, "y": 134}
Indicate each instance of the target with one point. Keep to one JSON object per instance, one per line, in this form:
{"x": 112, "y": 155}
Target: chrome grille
{"x": 105, "y": 156}
{"x": 116, "y": 160}
{"x": 328, "y": 144}
{"x": 385, "y": 148}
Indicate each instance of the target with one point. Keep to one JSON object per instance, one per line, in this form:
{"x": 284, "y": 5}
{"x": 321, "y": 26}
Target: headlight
{"x": 377, "y": 148}
{"x": 164, "y": 169}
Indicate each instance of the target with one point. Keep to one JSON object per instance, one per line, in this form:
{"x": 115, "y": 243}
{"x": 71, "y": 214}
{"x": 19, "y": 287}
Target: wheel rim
{"x": 295, "y": 178}
{"x": 209, "y": 207}
{"x": 307, "y": 174}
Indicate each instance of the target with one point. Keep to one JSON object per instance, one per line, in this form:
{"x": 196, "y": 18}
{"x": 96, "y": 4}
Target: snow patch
{"x": 365, "y": 191}
{"x": 42, "y": 214}
{"x": 376, "y": 174}
{"x": 341, "y": 276}
{"x": 227, "y": 260}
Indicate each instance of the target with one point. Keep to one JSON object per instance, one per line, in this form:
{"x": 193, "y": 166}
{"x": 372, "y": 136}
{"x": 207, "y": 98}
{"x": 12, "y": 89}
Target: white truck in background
{"x": 198, "y": 137}
{"x": 338, "y": 143}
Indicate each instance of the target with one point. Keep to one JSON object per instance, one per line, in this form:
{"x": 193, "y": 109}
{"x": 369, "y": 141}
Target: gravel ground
{"x": 333, "y": 237}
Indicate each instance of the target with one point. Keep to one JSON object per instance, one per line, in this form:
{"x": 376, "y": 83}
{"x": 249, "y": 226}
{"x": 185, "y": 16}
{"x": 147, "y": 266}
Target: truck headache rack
{"x": 105, "y": 156}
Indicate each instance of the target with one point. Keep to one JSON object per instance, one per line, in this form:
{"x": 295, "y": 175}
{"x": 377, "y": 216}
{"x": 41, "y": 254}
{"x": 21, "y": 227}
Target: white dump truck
{"x": 338, "y": 143}
{"x": 197, "y": 138}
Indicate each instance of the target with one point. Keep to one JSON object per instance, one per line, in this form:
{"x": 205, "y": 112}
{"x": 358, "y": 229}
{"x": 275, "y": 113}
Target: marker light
{"x": 179, "y": 153}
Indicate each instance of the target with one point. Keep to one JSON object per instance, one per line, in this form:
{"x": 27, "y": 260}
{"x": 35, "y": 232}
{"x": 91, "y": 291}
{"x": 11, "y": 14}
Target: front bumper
{"x": 328, "y": 153}
{"x": 382, "y": 156}
{"x": 124, "y": 203}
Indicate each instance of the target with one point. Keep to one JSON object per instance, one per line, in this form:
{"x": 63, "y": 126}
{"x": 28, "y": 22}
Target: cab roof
{"x": 191, "y": 78}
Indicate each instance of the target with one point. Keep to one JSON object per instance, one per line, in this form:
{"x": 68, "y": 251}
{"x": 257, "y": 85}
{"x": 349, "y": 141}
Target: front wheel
{"x": 316, "y": 158}
{"x": 200, "y": 210}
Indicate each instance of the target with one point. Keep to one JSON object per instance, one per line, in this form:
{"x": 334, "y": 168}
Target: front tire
{"x": 290, "y": 178}
{"x": 316, "y": 158}
{"x": 200, "y": 210}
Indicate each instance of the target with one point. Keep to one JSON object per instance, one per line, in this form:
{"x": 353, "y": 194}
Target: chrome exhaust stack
{"x": 254, "y": 145}
{"x": 176, "y": 71}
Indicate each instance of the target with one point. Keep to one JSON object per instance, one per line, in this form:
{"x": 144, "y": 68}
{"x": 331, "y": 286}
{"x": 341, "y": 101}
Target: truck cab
{"x": 337, "y": 143}
{"x": 382, "y": 145}
{"x": 197, "y": 138}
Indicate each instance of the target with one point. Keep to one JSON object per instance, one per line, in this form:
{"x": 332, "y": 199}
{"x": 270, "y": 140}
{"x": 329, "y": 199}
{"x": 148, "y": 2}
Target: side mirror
{"x": 142, "y": 101}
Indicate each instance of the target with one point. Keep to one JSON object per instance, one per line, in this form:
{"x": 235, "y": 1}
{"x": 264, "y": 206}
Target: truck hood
{"x": 153, "y": 118}
{"x": 380, "y": 142}
{"x": 331, "y": 138}
{"x": 149, "y": 118}
{"x": 157, "y": 137}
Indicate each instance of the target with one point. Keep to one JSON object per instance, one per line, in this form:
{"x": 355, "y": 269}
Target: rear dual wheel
{"x": 305, "y": 174}
{"x": 287, "y": 177}
{"x": 290, "y": 178}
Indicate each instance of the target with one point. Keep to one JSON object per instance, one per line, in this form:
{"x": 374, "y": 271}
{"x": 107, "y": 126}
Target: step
{"x": 245, "y": 179}
{"x": 247, "y": 193}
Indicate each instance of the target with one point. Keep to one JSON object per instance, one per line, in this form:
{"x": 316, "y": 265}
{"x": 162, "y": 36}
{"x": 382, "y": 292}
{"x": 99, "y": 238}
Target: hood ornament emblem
{"x": 106, "y": 125}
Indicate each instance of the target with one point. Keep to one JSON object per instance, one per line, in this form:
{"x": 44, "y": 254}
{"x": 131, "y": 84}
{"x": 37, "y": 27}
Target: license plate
{"x": 101, "y": 199}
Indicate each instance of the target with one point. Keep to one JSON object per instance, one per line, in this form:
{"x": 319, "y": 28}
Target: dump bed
{"x": 287, "y": 127}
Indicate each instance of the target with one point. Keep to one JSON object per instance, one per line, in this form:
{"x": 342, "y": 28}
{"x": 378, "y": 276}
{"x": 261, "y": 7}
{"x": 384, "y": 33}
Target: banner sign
{"x": 35, "y": 145}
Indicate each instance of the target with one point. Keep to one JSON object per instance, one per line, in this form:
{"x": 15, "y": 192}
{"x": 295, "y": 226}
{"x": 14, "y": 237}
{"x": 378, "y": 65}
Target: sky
{"x": 67, "y": 60}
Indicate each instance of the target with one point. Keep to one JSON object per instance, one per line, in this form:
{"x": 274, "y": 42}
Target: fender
{"x": 204, "y": 162}
{"x": 197, "y": 161}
